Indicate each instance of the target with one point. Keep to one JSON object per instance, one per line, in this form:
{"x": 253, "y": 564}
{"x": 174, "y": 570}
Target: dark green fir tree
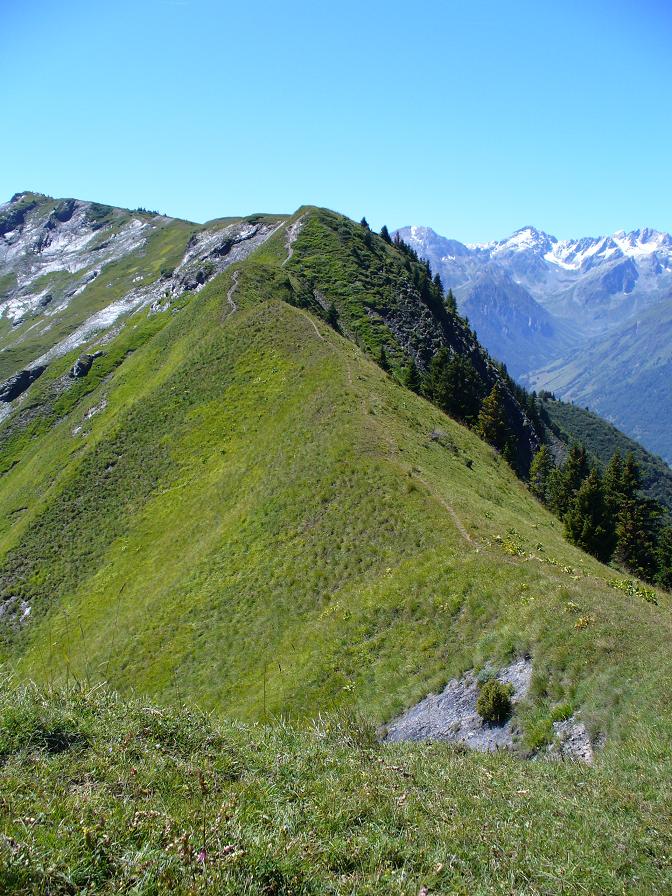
{"x": 492, "y": 424}
{"x": 587, "y": 522}
{"x": 412, "y": 378}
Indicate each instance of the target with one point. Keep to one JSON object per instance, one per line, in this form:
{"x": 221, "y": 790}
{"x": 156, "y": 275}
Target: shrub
{"x": 494, "y": 701}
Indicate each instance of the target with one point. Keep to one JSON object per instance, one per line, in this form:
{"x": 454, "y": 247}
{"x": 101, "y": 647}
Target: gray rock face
{"x": 14, "y": 612}
{"x": 82, "y": 366}
{"x": 572, "y": 741}
{"x": 17, "y": 384}
{"x": 451, "y": 715}
{"x": 68, "y": 245}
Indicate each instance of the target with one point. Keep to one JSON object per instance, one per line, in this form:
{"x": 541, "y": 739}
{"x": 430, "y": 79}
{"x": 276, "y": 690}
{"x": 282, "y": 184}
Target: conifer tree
{"x": 332, "y": 316}
{"x": 412, "y": 379}
{"x": 385, "y": 234}
{"x": 576, "y": 467}
{"x": 365, "y": 224}
{"x": 664, "y": 558}
{"x": 510, "y": 454}
{"x": 630, "y": 480}
{"x": 436, "y": 385}
{"x": 636, "y": 531}
{"x": 574, "y": 471}
{"x": 492, "y": 424}
{"x": 453, "y": 385}
{"x": 466, "y": 389}
{"x": 555, "y": 490}
{"x": 438, "y": 285}
{"x": 636, "y": 518}
{"x": 382, "y": 359}
{"x": 540, "y": 472}
{"x": 532, "y": 407}
{"x": 613, "y": 483}
{"x": 451, "y": 304}
{"x": 587, "y": 522}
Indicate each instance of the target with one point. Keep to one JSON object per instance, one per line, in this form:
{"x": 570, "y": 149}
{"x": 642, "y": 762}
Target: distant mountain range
{"x": 589, "y": 319}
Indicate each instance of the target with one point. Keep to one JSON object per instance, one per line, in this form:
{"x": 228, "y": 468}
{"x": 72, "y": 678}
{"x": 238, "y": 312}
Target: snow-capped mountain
{"x": 574, "y": 254}
{"x": 546, "y": 307}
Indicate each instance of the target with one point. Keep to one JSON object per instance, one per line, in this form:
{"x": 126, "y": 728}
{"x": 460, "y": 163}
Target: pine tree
{"x": 664, "y": 558}
{"x": 630, "y": 480}
{"x": 587, "y": 522}
{"x": 385, "y": 234}
{"x": 438, "y": 285}
{"x": 636, "y": 535}
{"x": 529, "y": 401}
{"x": 556, "y": 490}
{"x": 540, "y": 472}
{"x": 451, "y": 304}
{"x": 435, "y": 385}
{"x": 382, "y": 359}
{"x": 492, "y": 424}
{"x": 510, "y": 454}
{"x": 365, "y": 224}
{"x": 574, "y": 471}
{"x": 576, "y": 467}
{"x": 613, "y": 483}
{"x": 635, "y": 517}
{"x": 332, "y": 316}
{"x": 453, "y": 385}
{"x": 466, "y": 389}
{"x": 412, "y": 379}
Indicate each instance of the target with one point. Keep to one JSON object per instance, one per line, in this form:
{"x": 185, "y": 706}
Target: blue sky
{"x": 472, "y": 117}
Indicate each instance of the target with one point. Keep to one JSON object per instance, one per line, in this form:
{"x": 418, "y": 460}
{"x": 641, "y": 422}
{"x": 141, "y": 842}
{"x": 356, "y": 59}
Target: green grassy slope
{"x": 109, "y": 796}
{"x": 577, "y": 424}
{"x": 261, "y": 521}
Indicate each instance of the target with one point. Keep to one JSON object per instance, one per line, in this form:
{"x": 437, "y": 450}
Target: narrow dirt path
{"x": 232, "y": 290}
{"x": 459, "y": 525}
{"x": 313, "y": 324}
{"x": 292, "y": 232}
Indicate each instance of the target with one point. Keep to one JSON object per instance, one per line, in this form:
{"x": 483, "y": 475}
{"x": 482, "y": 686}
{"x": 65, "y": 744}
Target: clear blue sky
{"x": 472, "y": 117}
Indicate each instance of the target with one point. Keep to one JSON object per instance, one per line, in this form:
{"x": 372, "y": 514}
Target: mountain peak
{"x": 526, "y": 238}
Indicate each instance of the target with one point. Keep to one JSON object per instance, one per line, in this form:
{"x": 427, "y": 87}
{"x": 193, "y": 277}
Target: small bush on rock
{"x": 494, "y": 701}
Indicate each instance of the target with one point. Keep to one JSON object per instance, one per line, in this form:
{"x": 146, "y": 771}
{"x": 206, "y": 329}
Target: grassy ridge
{"x": 238, "y": 511}
{"x": 261, "y": 521}
{"x": 102, "y": 795}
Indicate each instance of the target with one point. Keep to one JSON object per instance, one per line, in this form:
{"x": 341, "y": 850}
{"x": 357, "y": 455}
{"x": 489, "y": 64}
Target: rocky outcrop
{"x": 451, "y": 715}
{"x": 571, "y": 741}
{"x": 14, "y": 216}
{"x": 83, "y": 364}
{"x": 64, "y": 211}
{"x": 16, "y": 385}
{"x": 51, "y": 252}
{"x": 14, "y": 612}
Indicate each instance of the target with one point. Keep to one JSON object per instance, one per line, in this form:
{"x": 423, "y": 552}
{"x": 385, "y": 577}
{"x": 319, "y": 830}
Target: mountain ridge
{"x": 234, "y": 473}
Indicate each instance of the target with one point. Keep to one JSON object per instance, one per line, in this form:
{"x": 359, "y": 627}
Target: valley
{"x": 586, "y": 319}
